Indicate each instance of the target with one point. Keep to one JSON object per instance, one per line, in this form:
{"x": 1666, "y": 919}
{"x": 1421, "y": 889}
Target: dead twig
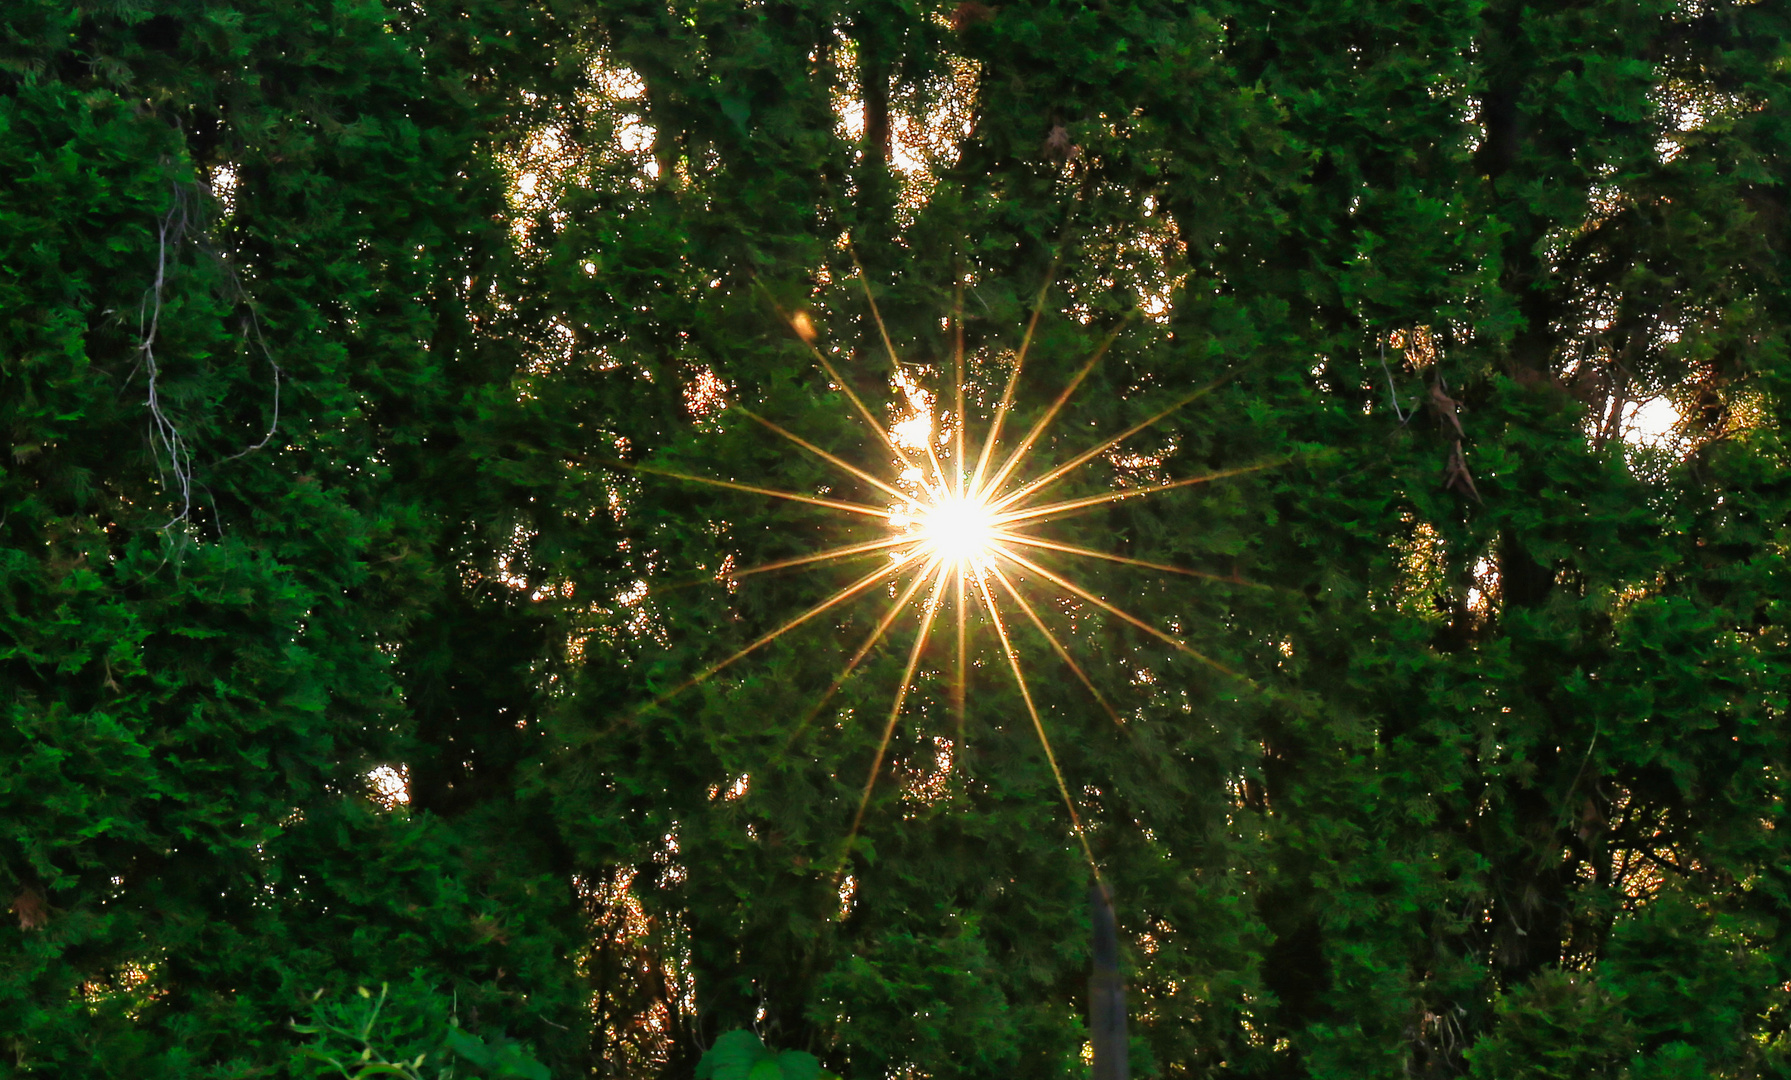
{"x": 165, "y": 436}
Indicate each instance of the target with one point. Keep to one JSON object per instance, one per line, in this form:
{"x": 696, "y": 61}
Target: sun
{"x": 957, "y": 533}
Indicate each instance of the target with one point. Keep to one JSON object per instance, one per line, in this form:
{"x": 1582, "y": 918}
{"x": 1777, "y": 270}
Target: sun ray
{"x": 751, "y": 489}
{"x": 864, "y": 281}
{"x": 957, "y": 457}
{"x": 1033, "y": 487}
{"x": 864, "y": 650}
{"x": 845, "y": 552}
{"x": 839, "y": 380}
{"x": 1013, "y": 660}
{"x": 829, "y": 458}
{"x": 895, "y": 711}
{"x": 895, "y": 362}
{"x": 864, "y": 412}
{"x": 873, "y": 578}
{"x": 938, "y": 472}
{"x": 961, "y": 684}
{"x": 1056, "y": 645}
{"x": 1035, "y": 513}
{"x": 1007, "y": 394}
{"x": 1071, "y": 587}
{"x": 1019, "y": 452}
{"x": 1090, "y": 553}
{"x": 848, "y": 551}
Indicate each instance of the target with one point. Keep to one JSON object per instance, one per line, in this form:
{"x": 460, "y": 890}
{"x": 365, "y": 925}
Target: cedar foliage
{"x": 1496, "y": 794}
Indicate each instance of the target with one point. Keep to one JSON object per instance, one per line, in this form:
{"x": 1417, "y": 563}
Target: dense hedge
{"x": 339, "y": 620}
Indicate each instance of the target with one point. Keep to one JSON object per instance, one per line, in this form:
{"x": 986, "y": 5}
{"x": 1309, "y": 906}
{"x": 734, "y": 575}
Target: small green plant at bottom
{"x": 350, "y": 1042}
{"x": 741, "y": 1055}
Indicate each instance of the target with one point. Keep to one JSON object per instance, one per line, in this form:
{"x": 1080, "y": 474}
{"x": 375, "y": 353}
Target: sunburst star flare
{"x": 955, "y": 531}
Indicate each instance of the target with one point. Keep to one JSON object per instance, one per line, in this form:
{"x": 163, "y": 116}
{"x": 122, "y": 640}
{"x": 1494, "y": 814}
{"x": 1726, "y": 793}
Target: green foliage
{"x": 741, "y": 1055}
{"x": 367, "y": 1036}
{"x": 337, "y": 333}
{"x": 219, "y": 211}
{"x": 1556, "y": 1025}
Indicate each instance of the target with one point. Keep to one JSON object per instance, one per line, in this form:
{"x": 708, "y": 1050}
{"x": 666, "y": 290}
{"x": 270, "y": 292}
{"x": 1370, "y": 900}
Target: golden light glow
{"x": 958, "y": 534}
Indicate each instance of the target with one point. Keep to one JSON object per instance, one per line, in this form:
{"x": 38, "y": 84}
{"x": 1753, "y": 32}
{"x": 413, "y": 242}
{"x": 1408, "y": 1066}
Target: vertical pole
{"x": 1106, "y": 993}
